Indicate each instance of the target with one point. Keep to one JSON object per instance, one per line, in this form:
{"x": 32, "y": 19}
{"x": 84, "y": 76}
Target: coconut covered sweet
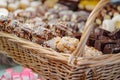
{"x": 68, "y": 45}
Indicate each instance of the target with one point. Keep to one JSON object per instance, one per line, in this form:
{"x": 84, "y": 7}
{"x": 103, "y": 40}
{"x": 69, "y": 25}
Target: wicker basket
{"x": 60, "y": 66}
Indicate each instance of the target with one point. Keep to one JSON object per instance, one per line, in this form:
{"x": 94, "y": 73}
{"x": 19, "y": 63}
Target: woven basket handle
{"x": 86, "y": 32}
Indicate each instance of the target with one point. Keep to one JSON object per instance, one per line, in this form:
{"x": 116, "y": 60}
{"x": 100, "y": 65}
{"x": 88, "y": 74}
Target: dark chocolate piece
{"x": 111, "y": 48}
{"x": 72, "y": 4}
{"x": 115, "y": 35}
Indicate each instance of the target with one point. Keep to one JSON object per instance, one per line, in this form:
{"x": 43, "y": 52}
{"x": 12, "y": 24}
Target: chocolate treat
{"x": 105, "y": 41}
{"x": 62, "y": 28}
{"x": 65, "y": 15}
{"x": 79, "y": 16}
{"x": 42, "y": 32}
{"x": 99, "y": 31}
{"x": 72, "y": 4}
{"x": 27, "y": 30}
{"x": 111, "y": 48}
{"x": 68, "y": 45}
{"x": 115, "y": 35}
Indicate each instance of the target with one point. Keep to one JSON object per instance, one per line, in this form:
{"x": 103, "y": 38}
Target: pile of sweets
{"x": 13, "y": 5}
{"x": 29, "y": 19}
{"x": 106, "y": 35}
{"x": 107, "y": 38}
{"x": 60, "y": 12}
{"x": 41, "y": 25}
{"x": 38, "y": 31}
{"x": 68, "y": 45}
{"x": 26, "y": 74}
{"x": 28, "y": 25}
{"x": 13, "y": 12}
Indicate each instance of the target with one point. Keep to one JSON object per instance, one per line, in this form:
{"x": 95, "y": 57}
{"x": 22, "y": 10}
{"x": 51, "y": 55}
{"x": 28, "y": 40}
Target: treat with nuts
{"x": 105, "y": 37}
{"x": 107, "y": 13}
{"x": 62, "y": 28}
{"x": 73, "y": 18}
{"x": 68, "y": 45}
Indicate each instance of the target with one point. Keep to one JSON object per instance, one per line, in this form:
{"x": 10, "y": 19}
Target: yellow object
{"x": 116, "y": 21}
{"x": 117, "y": 25}
{"x": 50, "y": 3}
{"x": 87, "y": 4}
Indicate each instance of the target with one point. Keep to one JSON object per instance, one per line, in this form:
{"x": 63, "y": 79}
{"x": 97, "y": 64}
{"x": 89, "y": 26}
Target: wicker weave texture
{"x": 51, "y": 68}
{"x": 54, "y": 66}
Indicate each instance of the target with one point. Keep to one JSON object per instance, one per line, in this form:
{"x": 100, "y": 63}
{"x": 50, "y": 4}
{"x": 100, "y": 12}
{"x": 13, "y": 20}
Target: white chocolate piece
{"x": 30, "y": 9}
{"x": 3, "y": 4}
{"x": 116, "y": 18}
{"x": 28, "y": 26}
{"x": 108, "y": 25}
{"x": 12, "y": 7}
{"x": 24, "y": 3}
{"x": 60, "y": 7}
{"x": 74, "y": 17}
{"x": 3, "y": 13}
{"x": 66, "y": 18}
{"x": 66, "y": 12}
{"x": 35, "y": 4}
{"x": 116, "y": 14}
{"x": 52, "y": 16}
